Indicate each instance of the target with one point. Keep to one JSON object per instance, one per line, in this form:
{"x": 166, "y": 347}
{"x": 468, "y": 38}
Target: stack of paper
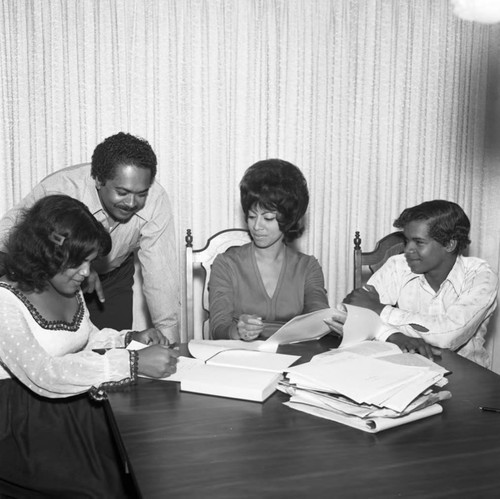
{"x": 228, "y": 369}
{"x": 367, "y": 388}
{"x": 232, "y": 372}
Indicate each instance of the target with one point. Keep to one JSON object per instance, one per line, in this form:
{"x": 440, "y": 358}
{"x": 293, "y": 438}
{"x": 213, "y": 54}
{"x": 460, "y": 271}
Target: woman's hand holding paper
{"x": 337, "y": 321}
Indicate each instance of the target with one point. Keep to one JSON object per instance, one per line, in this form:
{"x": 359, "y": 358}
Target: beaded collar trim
{"x": 73, "y": 326}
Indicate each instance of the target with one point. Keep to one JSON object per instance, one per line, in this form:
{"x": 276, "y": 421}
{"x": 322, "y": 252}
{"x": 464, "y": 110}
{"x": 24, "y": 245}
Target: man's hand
{"x": 414, "y": 345}
{"x": 93, "y": 283}
{"x": 151, "y": 336}
{"x": 366, "y": 297}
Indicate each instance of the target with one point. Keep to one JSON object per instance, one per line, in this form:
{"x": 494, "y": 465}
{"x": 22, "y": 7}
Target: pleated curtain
{"x": 382, "y": 103}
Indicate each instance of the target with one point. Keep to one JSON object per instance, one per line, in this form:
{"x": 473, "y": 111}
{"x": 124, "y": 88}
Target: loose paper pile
{"x": 368, "y": 390}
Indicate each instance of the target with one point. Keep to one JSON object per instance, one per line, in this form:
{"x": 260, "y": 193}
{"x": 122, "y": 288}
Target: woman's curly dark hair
{"x": 277, "y": 185}
{"x": 56, "y": 233}
{"x": 122, "y": 149}
{"x": 446, "y": 221}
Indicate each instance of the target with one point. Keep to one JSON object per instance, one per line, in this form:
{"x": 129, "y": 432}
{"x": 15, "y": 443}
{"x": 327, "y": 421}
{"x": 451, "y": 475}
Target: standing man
{"x": 432, "y": 296}
{"x": 120, "y": 190}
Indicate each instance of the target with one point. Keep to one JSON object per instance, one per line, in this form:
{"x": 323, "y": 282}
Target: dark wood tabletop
{"x": 185, "y": 445}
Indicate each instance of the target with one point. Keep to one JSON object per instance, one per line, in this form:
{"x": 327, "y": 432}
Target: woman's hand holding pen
{"x": 249, "y": 327}
{"x": 158, "y": 361}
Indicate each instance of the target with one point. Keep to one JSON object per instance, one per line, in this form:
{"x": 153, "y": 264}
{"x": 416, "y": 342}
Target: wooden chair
{"x": 198, "y": 267}
{"x": 366, "y": 263}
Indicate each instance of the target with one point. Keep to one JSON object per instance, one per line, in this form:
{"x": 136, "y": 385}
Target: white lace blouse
{"x": 55, "y": 358}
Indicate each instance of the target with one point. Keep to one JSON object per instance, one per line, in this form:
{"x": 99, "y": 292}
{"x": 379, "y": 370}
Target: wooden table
{"x": 184, "y": 445}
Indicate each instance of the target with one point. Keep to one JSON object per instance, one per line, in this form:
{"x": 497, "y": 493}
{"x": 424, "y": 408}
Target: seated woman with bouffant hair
{"x": 256, "y": 288}
{"x": 54, "y": 439}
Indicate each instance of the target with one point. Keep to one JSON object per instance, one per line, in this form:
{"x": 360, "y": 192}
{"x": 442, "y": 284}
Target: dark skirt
{"x": 57, "y": 448}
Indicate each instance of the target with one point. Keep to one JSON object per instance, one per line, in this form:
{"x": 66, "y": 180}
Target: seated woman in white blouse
{"x": 254, "y": 289}
{"x": 54, "y": 442}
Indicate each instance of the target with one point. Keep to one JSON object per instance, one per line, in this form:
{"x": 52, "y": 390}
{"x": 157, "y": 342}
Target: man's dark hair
{"x": 277, "y": 185}
{"x": 56, "y": 233}
{"x": 446, "y": 221}
{"x": 122, "y": 149}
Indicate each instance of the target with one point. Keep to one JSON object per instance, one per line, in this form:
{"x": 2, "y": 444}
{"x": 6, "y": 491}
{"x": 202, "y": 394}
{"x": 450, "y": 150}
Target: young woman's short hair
{"x": 446, "y": 221}
{"x": 56, "y": 233}
{"x": 277, "y": 185}
{"x": 122, "y": 149}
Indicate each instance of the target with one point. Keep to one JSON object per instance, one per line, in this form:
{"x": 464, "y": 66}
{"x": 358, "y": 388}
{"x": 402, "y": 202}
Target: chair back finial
{"x": 189, "y": 239}
{"x": 357, "y": 241}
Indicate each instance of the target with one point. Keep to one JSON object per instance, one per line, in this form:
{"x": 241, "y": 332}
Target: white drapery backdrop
{"x": 383, "y": 104}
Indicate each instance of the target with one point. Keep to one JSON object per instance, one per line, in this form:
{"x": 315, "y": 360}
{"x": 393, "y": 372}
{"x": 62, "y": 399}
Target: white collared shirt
{"x": 455, "y": 317}
{"x": 151, "y": 231}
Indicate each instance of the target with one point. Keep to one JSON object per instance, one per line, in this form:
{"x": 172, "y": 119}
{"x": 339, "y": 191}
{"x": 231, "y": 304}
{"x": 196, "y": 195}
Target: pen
{"x": 490, "y": 409}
